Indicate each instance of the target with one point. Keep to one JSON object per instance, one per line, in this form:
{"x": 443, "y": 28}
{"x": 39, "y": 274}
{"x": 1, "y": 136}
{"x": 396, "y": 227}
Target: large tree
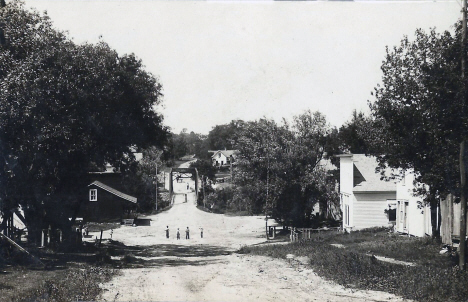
{"x": 223, "y": 137}
{"x": 419, "y": 112}
{"x": 64, "y": 107}
{"x": 280, "y": 169}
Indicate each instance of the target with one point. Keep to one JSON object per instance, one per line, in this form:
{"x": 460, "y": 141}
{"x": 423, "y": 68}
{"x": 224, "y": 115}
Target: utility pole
{"x": 2, "y": 42}
{"x": 203, "y": 186}
{"x": 267, "y": 185}
{"x": 156, "y": 186}
{"x": 462, "y": 246}
{"x": 2, "y": 25}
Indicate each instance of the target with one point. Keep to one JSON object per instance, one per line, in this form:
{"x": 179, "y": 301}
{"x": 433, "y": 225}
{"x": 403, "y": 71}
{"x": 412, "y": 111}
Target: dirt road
{"x": 206, "y": 269}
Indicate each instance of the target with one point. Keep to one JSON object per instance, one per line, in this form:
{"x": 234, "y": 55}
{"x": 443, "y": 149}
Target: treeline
{"x": 282, "y": 170}
{"x": 417, "y": 120}
{"x": 219, "y": 138}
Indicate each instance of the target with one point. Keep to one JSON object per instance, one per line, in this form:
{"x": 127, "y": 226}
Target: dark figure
{"x": 178, "y": 234}
{"x": 167, "y": 232}
{"x": 187, "y": 186}
{"x": 187, "y": 233}
{"x": 201, "y": 232}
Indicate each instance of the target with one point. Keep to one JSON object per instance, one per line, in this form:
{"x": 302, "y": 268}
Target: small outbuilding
{"x": 105, "y": 203}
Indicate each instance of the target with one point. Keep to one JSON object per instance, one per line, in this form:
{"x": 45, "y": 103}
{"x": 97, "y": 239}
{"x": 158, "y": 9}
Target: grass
{"x": 69, "y": 274}
{"x": 433, "y": 278}
{"x": 105, "y": 226}
{"x": 79, "y": 283}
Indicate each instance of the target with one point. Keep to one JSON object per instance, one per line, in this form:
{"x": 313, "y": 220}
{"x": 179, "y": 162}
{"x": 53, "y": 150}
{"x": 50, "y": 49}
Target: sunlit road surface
{"x": 208, "y": 269}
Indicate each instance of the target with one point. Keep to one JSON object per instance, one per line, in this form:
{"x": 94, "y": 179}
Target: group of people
{"x": 187, "y": 233}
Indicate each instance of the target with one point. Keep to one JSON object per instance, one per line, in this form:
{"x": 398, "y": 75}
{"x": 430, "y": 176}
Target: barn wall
{"x": 108, "y": 207}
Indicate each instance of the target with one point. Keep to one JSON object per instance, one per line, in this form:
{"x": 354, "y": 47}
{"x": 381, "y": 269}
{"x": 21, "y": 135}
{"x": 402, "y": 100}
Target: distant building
{"x": 224, "y": 157}
{"x": 366, "y": 200}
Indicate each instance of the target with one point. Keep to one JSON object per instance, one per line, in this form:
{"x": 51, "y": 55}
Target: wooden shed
{"x": 105, "y": 203}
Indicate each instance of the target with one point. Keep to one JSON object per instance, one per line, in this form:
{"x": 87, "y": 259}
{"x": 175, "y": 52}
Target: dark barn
{"x": 104, "y": 203}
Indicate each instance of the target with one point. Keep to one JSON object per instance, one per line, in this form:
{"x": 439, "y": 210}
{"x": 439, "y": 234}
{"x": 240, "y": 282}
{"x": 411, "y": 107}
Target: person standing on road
{"x": 187, "y": 233}
{"x": 167, "y": 232}
{"x": 201, "y": 232}
{"x": 187, "y": 186}
{"x": 178, "y": 234}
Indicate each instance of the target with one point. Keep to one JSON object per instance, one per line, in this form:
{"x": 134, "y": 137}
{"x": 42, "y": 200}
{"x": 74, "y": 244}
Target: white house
{"x": 365, "y": 198}
{"x": 412, "y": 216}
{"x": 224, "y": 157}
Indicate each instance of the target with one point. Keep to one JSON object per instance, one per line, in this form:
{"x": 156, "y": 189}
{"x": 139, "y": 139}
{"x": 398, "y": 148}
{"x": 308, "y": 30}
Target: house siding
{"x": 418, "y": 216}
{"x": 108, "y": 207}
{"x": 369, "y": 210}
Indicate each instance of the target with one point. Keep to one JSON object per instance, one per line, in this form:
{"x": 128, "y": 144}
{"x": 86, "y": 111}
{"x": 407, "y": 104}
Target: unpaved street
{"x": 207, "y": 269}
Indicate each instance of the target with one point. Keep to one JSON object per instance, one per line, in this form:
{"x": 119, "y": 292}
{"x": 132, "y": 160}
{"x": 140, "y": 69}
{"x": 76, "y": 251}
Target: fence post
{"x": 100, "y": 239}
{"x": 42, "y": 238}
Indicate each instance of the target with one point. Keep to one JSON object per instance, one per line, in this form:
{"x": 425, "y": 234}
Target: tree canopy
{"x": 419, "y": 115}
{"x": 64, "y": 107}
{"x": 287, "y": 161}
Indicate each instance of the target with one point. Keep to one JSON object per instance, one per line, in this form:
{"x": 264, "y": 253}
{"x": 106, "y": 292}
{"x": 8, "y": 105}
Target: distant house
{"x": 105, "y": 203}
{"x": 224, "y": 157}
{"x": 412, "y": 216}
{"x": 366, "y": 200}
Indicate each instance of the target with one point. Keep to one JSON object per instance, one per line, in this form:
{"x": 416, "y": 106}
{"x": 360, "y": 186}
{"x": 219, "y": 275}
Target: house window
{"x": 93, "y": 195}
{"x": 346, "y": 214}
{"x": 391, "y": 211}
{"x": 405, "y": 222}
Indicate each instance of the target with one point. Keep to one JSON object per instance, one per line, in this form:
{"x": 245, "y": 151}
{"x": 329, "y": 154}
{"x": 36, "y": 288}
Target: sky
{"x": 225, "y": 60}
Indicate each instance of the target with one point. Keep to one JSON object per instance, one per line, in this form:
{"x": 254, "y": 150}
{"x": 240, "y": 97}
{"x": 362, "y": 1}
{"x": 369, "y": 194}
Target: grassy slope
{"x": 434, "y": 278}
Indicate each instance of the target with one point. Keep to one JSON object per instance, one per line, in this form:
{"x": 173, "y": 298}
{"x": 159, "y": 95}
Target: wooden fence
{"x": 298, "y": 234}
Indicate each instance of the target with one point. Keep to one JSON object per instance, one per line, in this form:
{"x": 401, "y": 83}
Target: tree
{"x": 279, "y": 170}
{"x": 223, "y": 137}
{"x": 204, "y": 168}
{"x": 353, "y": 134}
{"x": 419, "y": 116}
{"x": 64, "y": 107}
{"x": 140, "y": 178}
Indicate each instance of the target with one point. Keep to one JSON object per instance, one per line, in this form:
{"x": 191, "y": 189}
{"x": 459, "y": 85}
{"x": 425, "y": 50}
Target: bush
{"x": 220, "y": 199}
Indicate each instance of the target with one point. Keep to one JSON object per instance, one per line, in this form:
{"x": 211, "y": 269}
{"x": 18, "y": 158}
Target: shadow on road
{"x": 164, "y": 255}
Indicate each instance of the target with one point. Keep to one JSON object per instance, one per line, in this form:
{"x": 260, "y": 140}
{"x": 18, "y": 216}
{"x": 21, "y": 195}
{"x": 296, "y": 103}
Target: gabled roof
{"x": 113, "y": 191}
{"x": 226, "y": 153}
{"x": 366, "y": 179}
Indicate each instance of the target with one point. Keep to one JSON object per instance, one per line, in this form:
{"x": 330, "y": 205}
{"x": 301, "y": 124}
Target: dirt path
{"x": 206, "y": 269}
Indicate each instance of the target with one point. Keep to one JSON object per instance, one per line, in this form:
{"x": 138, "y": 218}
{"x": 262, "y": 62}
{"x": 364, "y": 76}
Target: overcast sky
{"x": 220, "y": 61}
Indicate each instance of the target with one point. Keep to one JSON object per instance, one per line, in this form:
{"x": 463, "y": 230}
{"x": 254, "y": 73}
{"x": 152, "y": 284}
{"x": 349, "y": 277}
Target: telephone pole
{"x": 156, "y": 186}
{"x": 2, "y": 25}
{"x": 462, "y": 246}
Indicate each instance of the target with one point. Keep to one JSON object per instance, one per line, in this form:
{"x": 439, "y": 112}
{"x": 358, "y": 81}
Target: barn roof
{"x": 113, "y": 191}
